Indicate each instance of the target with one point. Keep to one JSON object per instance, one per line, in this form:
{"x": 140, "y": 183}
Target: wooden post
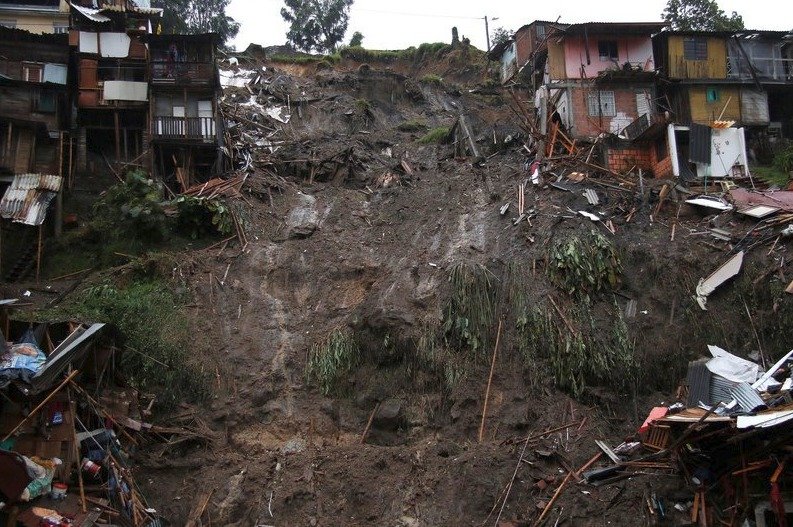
{"x": 71, "y": 160}
{"x": 38, "y": 255}
{"x": 77, "y": 460}
{"x": 118, "y": 134}
{"x": 489, "y": 381}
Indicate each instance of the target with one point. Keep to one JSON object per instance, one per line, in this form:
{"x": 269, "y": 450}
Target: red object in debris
{"x": 656, "y": 413}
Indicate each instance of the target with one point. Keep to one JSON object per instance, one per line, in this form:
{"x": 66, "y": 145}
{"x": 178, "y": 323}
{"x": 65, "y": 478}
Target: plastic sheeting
{"x": 89, "y": 42}
{"x": 114, "y": 45}
{"x": 126, "y": 91}
{"x": 55, "y": 73}
{"x": 732, "y": 367}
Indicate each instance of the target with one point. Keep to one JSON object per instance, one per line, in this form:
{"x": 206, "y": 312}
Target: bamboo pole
{"x": 38, "y": 254}
{"x": 552, "y": 500}
{"x": 489, "y": 382}
{"x": 369, "y": 423}
{"x": 33, "y": 412}
{"x": 73, "y": 409}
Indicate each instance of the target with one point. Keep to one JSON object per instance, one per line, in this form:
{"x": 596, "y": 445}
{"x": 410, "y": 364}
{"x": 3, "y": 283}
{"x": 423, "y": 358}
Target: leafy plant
{"x": 200, "y": 216}
{"x": 783, "y": 160}
{"x": 584, "y": 267}
{"x": 471, "y": 310}
{"x": 132, "y": 209}
{"x": 331, "y": 360}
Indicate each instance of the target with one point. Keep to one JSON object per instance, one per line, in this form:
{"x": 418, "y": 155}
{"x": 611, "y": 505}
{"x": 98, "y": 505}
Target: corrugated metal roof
{"x": 747, "y": 397}
{"x": 698, "y": 383}
{"x": 28, "y": 198}
{"x": 720, "y": 390}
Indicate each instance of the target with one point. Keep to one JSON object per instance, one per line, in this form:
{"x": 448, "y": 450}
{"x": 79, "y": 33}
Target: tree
{"x": 199, "y": 16}
{"x": 356, "y": 40}
{"x": 700, "y": 15}
{"x": 316, "y": 24}
{"x": 500, "y": 35}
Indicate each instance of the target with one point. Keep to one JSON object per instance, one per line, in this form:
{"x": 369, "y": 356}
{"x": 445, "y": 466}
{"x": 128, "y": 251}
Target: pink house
{"x": 600, "y": 76}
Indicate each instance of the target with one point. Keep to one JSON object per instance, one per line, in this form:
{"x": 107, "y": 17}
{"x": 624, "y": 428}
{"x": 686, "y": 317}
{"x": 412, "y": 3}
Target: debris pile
{"x": 69, "y": 431}
{"x": 729, "y": 437}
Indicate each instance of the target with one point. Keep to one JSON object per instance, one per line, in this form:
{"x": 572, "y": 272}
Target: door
{"x": 206, "y": 117}
{"x": 644, "y": 103}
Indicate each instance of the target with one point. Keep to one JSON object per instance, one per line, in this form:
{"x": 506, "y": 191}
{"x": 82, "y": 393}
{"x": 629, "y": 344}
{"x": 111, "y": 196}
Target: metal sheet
{"x": 698, "y": 381}
{"x": 720, "y": 390}
{"x": 699, "y": 142}
{"x": 63, "y": 355}
{"x": 747, "y": 397}
{"x": 759, "y": 211}
{"x": 707, "y": 285}
{"x": 28, "y": 198}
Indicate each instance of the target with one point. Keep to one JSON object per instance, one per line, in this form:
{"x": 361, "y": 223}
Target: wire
{"x": 423, "y": 15}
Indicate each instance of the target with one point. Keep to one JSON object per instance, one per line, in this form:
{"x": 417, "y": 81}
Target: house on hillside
{"x": 35, "y": 16}
{"x": 599, "y": 76}
{"x": 526, "y": 46}
{"x": 35, "y": 108}
{"x": 745, "y": 77}
{"x": 185, "y": 131}
{"x": 111, "y": 56}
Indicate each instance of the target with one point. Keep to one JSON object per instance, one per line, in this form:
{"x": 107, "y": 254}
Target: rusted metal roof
{"x": 28, "y": 198}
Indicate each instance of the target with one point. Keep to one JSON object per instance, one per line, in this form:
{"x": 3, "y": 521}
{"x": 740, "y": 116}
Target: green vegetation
{"x": 436, "y": 135}
{"x": 413, "y": 125}
{"x": 471, "y": 310}
{"x": 156, "y": 336}
{"x": 783, "y": 159}
{"x": 584, "y": 267}
{"x": 300, "y": 58}
{"x": 330, "y": 361}
{"x": 432, "y": 80}
{"x": 771, "y": 175}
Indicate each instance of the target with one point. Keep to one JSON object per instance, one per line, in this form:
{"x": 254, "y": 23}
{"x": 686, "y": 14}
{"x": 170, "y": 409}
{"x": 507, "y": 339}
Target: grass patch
{"x": 330, "y": 362}
{"x": 436, "y": 135}
{"x": 771, "y": 175}
{"x": 413, "y": 125}
{"x": 432, "y": 80}
{"x": 156, "y": 336}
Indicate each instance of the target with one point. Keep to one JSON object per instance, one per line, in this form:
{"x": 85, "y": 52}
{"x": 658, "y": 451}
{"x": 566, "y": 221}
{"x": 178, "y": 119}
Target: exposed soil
{"x": 376, "y": 259}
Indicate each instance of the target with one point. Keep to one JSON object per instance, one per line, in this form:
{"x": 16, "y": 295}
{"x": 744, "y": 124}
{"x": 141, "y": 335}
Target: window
{"x": 601, "y": 103}
{"x": 608, "y": 51}
{"x": 45, "y": 102}
{"x": 60, "y": 28}
{"x": 540, "y": 30}
{"x": 8, "y": 23}
{"x": 695, "y": 49}
{"x": 32, "y": 72}
{"x": 713, "y": 95}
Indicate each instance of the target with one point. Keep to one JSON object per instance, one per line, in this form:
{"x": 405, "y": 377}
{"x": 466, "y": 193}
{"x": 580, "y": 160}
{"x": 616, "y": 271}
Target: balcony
{"x": 183, "y": 73}
{"x": 766, "y": 69}
{"x": 185, "y": 128}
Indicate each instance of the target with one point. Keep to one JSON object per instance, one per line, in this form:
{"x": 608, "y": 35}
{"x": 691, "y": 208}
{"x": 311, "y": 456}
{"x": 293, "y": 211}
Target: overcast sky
{"x": 397, "y": 25}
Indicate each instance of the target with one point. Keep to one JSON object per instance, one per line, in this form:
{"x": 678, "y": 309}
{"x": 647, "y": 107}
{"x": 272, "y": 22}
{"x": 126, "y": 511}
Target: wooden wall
{"x": 715, "y": 67}
{"x": 704, "y": 112}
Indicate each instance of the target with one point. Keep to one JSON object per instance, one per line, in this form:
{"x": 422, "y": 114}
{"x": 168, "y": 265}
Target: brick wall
{"x": 662, "y": 168}
{"x": 623, "y": 159}
{"x": 588, "y": 127}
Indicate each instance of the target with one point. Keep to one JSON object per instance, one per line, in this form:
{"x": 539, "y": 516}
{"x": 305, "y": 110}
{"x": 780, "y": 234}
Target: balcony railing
{"x": 169, "y": 72}
{"x": 201, "y": 128}
{"x": 777, "y": 69}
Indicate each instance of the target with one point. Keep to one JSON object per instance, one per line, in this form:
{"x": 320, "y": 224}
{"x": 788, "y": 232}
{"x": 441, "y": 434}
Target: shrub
{"x": 432, "y": 80}
{"x": 155, "y": 335}
{"x": 132, "y": 209}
